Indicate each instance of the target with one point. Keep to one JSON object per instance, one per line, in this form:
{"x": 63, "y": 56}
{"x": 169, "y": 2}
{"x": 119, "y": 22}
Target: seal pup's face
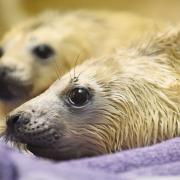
{"x": 25, "y": 60}
{"x": 28, "y": 60}
{"x": 127, "y": 100}
{"x": 67, "y": 121}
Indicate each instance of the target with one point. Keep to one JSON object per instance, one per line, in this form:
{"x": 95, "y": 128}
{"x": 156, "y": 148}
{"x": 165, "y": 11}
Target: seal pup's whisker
{"x": 71, "y": 79}
{"x": 57, "y": 70}
{"x": 76, "y": 61}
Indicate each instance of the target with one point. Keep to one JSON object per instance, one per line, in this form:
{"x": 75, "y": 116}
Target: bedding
{"x": 160, "y": 161}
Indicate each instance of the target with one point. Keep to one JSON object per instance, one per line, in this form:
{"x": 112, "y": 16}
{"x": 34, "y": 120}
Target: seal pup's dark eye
{"x": 43, "y": 51}
{"x": 78, "y": 96}
{"x": 1, "y": 52}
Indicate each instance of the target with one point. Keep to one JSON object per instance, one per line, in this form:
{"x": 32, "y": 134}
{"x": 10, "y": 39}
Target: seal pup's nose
{"x": 15, "y": 121}
{"x": 6, "y": 83}
{"x": 4, "y": 70}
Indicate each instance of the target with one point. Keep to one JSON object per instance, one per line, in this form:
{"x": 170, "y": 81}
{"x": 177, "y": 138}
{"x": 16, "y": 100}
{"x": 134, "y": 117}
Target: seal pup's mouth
{"x": 13, "y": 90}
{"x": 55, "y": 124}
{"x": 25, "y": 130}
{"x": 13, "y": 85}
{"x": 46, "y": 149}
{"x": 45, "y": 139}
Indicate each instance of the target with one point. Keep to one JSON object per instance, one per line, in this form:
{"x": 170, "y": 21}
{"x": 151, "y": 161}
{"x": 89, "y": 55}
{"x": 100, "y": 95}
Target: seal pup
{"x": 116, "y": 102}
{"x": 30, "y": 52}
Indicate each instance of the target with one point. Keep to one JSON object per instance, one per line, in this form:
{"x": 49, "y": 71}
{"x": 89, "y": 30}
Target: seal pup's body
{"x": 121, "y": 101}
{"x": 31, "y": 51}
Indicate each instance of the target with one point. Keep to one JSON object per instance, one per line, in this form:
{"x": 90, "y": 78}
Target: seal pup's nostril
{"x": 15, "y": 119}
{"x": 11, "y": 120}
{"x": 18, "y": 120}
{"x": 4, "y": 71}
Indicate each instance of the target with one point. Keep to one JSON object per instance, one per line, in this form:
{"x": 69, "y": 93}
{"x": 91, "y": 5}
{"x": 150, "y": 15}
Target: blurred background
{"x": 13, "y": 11}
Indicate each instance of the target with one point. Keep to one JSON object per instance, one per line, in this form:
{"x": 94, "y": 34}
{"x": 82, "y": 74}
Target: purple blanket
{"x": 159, "y": 160}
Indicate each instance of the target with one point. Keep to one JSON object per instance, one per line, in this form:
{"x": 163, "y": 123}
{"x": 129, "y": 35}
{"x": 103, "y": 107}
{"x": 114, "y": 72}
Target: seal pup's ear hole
{"x": 1, "y": 52}
{"x": 43, "y": 51}
{"x": 78, "y": 96}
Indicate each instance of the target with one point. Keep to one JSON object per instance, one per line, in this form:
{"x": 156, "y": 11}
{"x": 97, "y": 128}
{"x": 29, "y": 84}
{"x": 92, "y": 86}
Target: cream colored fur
{"x": 79, "y": 33}
{"x": 135, "y": 102}
{"x": 141, "y": 88}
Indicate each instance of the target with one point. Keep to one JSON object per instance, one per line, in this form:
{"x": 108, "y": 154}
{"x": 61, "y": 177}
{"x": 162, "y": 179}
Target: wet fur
{"x": 88, "y": 33}
{"x": 136, "y": 102}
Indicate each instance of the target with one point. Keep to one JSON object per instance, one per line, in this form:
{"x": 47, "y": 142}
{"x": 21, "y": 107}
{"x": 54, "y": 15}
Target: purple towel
{"x": 158, "y": 160}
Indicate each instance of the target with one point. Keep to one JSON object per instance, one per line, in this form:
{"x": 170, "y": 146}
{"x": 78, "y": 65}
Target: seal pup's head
{"x": 122, "y": 101}
{"x": 30, "y": 52}
{"x": 26, "y": 55}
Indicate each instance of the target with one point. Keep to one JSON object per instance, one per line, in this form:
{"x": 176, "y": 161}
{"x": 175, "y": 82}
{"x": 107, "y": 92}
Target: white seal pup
{"x": 30, "y": 52}
{"x": 121, "y": 101}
